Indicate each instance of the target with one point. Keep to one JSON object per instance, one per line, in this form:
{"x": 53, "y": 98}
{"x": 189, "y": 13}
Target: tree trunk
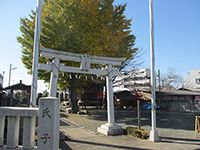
{"x": 73, "y": 94}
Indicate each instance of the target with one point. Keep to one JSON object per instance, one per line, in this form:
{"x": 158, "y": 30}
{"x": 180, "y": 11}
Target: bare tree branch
{"x": 171, "y": 80}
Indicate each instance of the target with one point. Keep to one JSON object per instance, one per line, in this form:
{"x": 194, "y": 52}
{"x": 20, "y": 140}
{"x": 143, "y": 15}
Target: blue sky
{"x": 177, "y": 34}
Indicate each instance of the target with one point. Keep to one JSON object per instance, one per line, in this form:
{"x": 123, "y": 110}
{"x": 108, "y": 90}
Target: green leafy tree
{"x": 94, "y": 27}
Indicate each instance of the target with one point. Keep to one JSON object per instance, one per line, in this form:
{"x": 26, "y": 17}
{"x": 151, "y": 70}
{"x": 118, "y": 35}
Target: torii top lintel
{"x": 62, "y": 55}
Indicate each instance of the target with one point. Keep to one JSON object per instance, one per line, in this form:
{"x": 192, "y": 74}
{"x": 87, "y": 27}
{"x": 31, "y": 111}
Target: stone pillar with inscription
{"x": 48, "y": 123}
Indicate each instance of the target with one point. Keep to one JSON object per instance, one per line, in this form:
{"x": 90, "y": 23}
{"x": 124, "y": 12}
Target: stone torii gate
{"x": 110, "y": 128}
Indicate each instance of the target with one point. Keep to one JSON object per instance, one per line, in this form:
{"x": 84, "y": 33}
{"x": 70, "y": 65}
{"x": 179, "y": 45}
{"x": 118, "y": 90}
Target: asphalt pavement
{"x": 175, "y": 130}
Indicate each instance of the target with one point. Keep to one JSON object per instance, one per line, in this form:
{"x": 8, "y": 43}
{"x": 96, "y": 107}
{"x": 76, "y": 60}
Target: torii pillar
{"x": 110, "y": 128}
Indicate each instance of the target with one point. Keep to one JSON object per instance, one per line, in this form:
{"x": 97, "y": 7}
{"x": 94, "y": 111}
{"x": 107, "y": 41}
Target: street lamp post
{"x": 10, "y": 73}
{"x": 153, "y": 133}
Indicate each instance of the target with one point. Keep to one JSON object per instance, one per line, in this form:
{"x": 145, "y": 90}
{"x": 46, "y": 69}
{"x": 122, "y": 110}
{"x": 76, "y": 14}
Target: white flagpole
{"x": 153, "y": 133}
{"x": 36, "y": 53}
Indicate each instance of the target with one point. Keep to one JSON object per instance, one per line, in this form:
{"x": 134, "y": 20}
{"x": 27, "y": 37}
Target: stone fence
{"x": 48, "y": 126}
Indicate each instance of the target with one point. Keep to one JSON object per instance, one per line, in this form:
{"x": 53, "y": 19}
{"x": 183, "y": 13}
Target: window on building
{"x": 197, "y": 81}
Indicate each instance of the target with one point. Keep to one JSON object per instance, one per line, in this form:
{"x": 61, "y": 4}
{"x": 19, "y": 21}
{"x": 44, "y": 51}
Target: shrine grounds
{"x": 176, "y": 130}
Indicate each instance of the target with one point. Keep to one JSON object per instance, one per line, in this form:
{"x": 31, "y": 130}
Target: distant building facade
{"x": 179, "y": 100}
{"x": 137, "y": 79}
{"x": 192, "y": 80}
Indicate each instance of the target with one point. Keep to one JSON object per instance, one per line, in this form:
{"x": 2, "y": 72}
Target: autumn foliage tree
{"x": 94, "y": 27}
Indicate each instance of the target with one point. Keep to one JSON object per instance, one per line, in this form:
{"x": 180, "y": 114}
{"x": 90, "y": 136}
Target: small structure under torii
{"x": 110, "y": 128}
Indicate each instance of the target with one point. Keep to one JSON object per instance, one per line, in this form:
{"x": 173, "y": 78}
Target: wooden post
{"x": 138, "y": 114}
{"x": 197, "y": 126}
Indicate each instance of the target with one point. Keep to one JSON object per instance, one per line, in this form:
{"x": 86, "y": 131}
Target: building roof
{"x": 120, "y": 89}
{"x": 145, "y": 95}
{"x": 180, "y": 92}
{"x": 190, "y": 89}
{"x": 19, "y": 86}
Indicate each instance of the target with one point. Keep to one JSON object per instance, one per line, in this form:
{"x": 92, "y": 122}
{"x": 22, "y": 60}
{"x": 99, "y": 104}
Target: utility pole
{"x": 36, "y": 53}
{"x": 153, "y": 133}
{"x": 10, "y": 69}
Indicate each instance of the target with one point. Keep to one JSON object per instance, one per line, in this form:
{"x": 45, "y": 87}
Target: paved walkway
{"x": 79, "y": 138}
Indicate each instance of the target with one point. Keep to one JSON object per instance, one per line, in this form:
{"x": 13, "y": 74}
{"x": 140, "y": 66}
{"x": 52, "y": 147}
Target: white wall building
{"x": 138, "y": 79}
{"x": 192, "y": 80}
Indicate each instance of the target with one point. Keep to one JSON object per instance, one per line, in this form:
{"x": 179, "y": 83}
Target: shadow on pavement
{"x": 62, "y": 143}
{"x": 108, "y": 145}
{"x": 64, "y": 146}
{"x": 180, "y": 140}
{"x": 63, "y": 123}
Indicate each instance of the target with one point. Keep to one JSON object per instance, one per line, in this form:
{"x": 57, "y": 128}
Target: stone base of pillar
{"x": 110, "y": 129}
{"x": 154, "y": 136}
